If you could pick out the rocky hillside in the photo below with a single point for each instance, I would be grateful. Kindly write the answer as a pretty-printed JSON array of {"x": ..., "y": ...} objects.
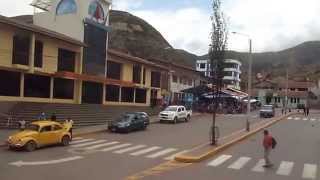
[{"x": 135, "y": 36}]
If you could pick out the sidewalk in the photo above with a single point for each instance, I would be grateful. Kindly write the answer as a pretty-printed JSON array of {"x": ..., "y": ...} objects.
[
  {"x": 206, "y": 150},
  {"x": 5, "y": 133}
]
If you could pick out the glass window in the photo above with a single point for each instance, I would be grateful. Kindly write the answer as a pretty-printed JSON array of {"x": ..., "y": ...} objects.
[
  {"x": 112, "y": 93},
  {"x": 202, "y": 65},
  {"x": 38, "y": 54},
  {"x": 66, "y": 7},
  {"x": 96, "y": 11},
  {"x": 141, "y": 96},
  {"x": 20, "y": 50},
  {"x": 174, "y": 78},
  {"x": 66, "y": 60},
  {"x": 114, "y": 70},
  {"x": 136, "y": 74},
  {"x": 57, "y": 127},
  {"x": 46, "y": 129}
]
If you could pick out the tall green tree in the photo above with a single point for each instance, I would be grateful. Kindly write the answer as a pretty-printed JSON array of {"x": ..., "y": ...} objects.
[{"x": 218, "y": 46}]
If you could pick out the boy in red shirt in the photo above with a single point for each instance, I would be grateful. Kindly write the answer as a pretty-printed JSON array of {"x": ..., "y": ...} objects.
[{"x": 267, "y": 145}]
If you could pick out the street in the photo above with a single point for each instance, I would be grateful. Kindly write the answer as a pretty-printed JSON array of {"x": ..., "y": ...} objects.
[
  {"x": 295, "y": 157},
  {"x": 115, "y": 156}
]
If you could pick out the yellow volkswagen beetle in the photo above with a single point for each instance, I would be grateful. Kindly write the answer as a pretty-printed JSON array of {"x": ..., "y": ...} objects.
[{"x": 39, "y": 134}]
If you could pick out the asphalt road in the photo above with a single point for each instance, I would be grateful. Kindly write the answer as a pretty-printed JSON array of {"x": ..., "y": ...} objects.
[
  {"x": 114, "y": 156},
  {"x": 296, "y": 156}
]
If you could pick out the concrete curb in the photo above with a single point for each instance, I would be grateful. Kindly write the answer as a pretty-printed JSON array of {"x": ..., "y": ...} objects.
[{"x": 194, "y": 159}]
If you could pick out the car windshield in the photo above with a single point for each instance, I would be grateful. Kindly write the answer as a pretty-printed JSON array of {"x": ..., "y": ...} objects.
[
  {"x": 126, "y": 117},
  {"x": 171, "y": 109},
  {"x": 33, "y": 127},
  {"x": 266, "y": 108}
]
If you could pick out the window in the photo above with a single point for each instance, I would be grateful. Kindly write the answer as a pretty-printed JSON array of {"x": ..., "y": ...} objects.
[
  {"x": 46, "y": 129},
  {"x": 38, "y": 54},
  {"x": 96, "y": 11},
  {"x": 112, "y": 93},
  {"x": 63, "y": 88},
  {"x": 114, "y": 70},
  {"x": 66, "y": 60},
  {"x": 174, "y": 79},
  {"x": 127, "y": 94},
  {"x": 155, "y": 79},
  {"x": 190, "y": 82},
  {"x": 202, "y": 65},
  {"x": 141, "y": 96},
  {"x": 298, "y": 101},
  {"x": 21, "y": 46},
  {"x": 36, "y": 86},
  {"x": 136, "y": 76},
  {"x": 10, "y": 83},
  {"x": 66, "y": 7},
  {"x": 144, "y": 76},
  {"x": 56, "y": 127}
]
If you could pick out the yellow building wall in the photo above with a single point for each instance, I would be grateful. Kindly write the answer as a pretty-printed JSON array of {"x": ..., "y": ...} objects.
[
  {"x": 50, "y": 56},
  {"x": 6, "y": 45},
  {"x": 127, "y": 70},
  {"x": 148, "y": 77}
]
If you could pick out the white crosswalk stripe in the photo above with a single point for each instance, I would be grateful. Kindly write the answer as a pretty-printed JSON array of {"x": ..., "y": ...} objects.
[
  {"x": 129, "y": 149},
  {"x": 88, "y": 143},
  {"x": 289, "y": 118},
  {"x": 174, "y": 155},
  {"x": 80, "y": 141},
  {"x": 101, "y": 145},
  {"x": 297, "y": 118},
  {"x": 309, "y": 171},
  {"x": 259, "y": 166},
  {"x": 145, "y": 151},
  {"x": 162, "y": 153},
  {"x": 285, "y": 168},
  {"x": 305, "y": 119},
  {"x": 312, "y": 119},
  {"x": 239, "y": 163},
  {"x": 220, "y": 160},
  {"x": 116, "y": 147},
  {"x": 77, "y": 138}
]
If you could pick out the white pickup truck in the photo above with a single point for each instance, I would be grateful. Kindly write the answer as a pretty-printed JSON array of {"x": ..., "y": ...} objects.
[{"x": 175, "y": 114}]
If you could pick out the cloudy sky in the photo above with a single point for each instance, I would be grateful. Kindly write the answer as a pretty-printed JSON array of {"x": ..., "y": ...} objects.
[{"x": 272, "y": 24}]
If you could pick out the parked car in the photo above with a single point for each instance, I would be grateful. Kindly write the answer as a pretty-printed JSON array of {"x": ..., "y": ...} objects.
[
  {"x": 175, "y": 114},
  {"x": 267, "y": 111},
  {"x": 129, "y": 122},
  {"x": 41, "y": 133}
]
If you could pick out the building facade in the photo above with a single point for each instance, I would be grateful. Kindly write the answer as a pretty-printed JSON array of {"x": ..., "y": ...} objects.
[
  {"x": 276, "y": 92},
  {"x": 45, "y": 60},
  {"x": 232, "y": 72}
]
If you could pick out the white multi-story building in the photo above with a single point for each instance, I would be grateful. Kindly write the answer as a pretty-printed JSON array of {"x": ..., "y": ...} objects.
[{"x": 232, "y": 71}]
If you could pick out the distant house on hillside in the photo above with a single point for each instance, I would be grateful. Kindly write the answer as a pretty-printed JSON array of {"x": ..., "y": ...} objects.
[{"x": 275, "y": 92}]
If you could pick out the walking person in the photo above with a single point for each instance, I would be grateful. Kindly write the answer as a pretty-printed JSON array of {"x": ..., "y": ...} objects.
[
  {"x": 69, "y": 120},
  {"x": 42, "y": 116},
  {"x": 307, "y": 111},
  {"x": 22, "y": 124},
  {"x": 267, "y": 145},
  {"x": 304, "y": 111}
]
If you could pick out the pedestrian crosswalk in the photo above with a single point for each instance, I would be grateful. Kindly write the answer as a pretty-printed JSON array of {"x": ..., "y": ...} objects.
[
  {"x": 115, "y": 147},
  {"x": 297, "y": 118},
  {"x": 283, "y": 168}
]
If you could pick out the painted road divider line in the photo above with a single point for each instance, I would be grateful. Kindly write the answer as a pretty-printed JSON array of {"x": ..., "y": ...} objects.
[
  {"x": 129, "y": 149},
  {"x": 174, "y": 155},
  {"x": 220, "y": 160},
  {"x": 80, "y": 141},
  {"x": 309, "y": 171},
  {"x": 162, "y": 153},
  {"x": 285, "y": 168},
  {"x": 145, "y": 151},
  {"x": 259, "y": 166},
  {"x": 239, "y": 163},
  {"x": 101, "y": 145},
  {"x": 115, "y": 147},
  {"x": 88, "y": 143}
]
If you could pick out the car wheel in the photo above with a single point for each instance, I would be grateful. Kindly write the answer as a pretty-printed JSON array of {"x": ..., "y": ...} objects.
[
  {"x": 30, "y": 146},
  {"x": 175, "y": 120},
  {"x": 65, "y": 140},
  {"x": 187, "y": 118}
]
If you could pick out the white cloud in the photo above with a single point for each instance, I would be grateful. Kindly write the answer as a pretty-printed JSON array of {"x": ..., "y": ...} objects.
[
  {"x": 126, "y": 5},
  {"x": 15, "y": 7},
  {"x": 185, "y": 28}
]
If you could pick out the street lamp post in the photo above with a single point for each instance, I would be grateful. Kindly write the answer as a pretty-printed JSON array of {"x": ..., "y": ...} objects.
[{"x": 249, "y": 80}]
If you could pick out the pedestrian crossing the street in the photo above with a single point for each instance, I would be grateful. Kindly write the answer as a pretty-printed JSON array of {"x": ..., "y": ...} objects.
[
  {"x": 311, "y": 119},
  {"x": 283, "y": 168},
  {"x": 115, "y": 147}
]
